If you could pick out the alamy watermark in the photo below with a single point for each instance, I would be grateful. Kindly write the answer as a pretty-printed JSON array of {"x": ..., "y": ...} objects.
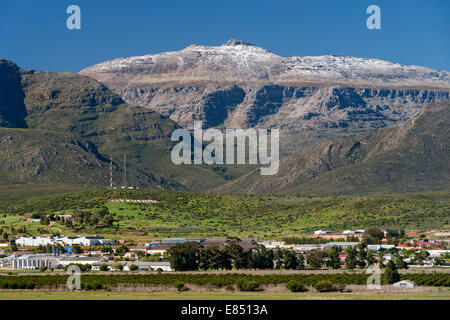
[
  {"x": 256, "y": 153},
  {"x": 374, "y": 20},
  {"x": 74, "y": 280},
  {"x": 374, "y": 280},
  {"x": 74, "y": 20}
]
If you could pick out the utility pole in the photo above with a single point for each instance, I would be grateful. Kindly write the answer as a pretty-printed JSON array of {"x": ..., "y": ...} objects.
[
  {"x": 110, "y": 174},
  {"x": 124, "y": 170}
]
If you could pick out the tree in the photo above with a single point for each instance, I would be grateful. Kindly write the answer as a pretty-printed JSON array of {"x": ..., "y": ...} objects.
[
  {"x": 370, "y": 258},
  {"x": 121, "y": 250},
  {"x": 391, "y": 274},
  {"x": 102, "y": 211},
  {"x": 185, "y": 256},
  {"x": 240, "y": 258},
  {"x": 104, "y": 267},
  {"x": 315, "y": 258},
  {"x": 262, "y": 259},
  {"x": 68, "y": 224},
  {"x": 224, "y": 260},
  {"x": 278, "y": 258},
  {"x": 290, "y": 260},
  {"x": 372, "y": 235},
  {"x": 362, "y": 255},
  {"x": 210, "y": 258},
  {"x": 46, "y": 221},
  {"x": 107, "y": 249},
  {"x": 301, "y": 262},
  {"x": 118, "y": 266},
  {"x": 108, "y": 220},
  {"x": 400, "y": 264},
  {"x": 351, "y": 259},
  {"x": 437, "y": 261},
  {"x": 334, "y": 260},
  {"x": 134, "y": 267}
]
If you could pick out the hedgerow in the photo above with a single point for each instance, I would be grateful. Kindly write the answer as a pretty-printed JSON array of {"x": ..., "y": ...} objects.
[{"x": 216, "y": 280}]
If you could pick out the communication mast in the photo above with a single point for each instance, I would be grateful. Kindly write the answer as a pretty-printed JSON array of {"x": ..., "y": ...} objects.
[
  {"x": 124, "y": 171},
  {"x": 110, "y": 174}
]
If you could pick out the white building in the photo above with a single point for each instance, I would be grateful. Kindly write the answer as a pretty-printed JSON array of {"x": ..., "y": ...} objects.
[
  {"x": 34, "y": 261},
  {"x": 305, "y": 247},
  {"x": 65, "y": 241},
  {"x": 380, "y": 246},
  {"x": 321, "y": 232},
  {"x": 342, "y": 245},
  {"x": 405, "y": 284},
  {"x": 145, "y": 265},
  {"x": 92, "y": 241},
  {"x": 437, "y": 253},
  {"x": 353, "y": 232},
  {"x": 34, "y": 241},
  {"x": 67, "y": 260}
]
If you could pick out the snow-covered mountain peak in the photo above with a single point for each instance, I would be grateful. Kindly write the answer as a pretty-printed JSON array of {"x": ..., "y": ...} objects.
[
  {"x": 242, "y": 62},
  {"x": 236, "y": 42}
]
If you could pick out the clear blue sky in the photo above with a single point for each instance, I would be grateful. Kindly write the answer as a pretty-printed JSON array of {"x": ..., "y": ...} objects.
[{"x": 34, "y": 33}]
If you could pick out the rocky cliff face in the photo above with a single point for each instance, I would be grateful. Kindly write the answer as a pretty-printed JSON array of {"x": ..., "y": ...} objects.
[
  {"x": 306, "y": 115},
  {"x": 240, "y": 85},
  {"x": 412, "y": 157}
]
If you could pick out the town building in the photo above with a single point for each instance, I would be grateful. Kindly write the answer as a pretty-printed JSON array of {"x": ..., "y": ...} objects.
[
  {"x": 377, "y": 247},
  {"x": 85, "y": 241},
  {"x": 342, "y": 245},
  {"x": 174, "y": 241},
  {"x": 147, "y": 265},
  {"x": 34, "y": 261},
  {"x": 405, "y": 284}
]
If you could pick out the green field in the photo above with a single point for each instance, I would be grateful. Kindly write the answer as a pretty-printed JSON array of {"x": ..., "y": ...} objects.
[
  {"x": 191, "y": 295},
  {"x": 201, "y": 214}
]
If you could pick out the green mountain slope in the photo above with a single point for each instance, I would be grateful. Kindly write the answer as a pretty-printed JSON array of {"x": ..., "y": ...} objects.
[
  {"x": 408, "y": 158},
  {"x": 71, "y": 126}
]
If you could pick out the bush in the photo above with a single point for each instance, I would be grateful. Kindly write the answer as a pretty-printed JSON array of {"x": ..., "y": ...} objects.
[
  {"x": 229, "y": 287},
  {"x": 296, "y": 286},
  {"x": 324, "y": 286},
  {"x": 104, "y": 267},
  {"x": 134, "y": 267},
  {"x": 179, "y": 285},
  {"x": 92, "y": 286},
  {"x": 43, "y": 268},
  {"x": 97, "y": 286},
  {"x": 118, "y": 266},
  {"x": 247, "y": 285}
]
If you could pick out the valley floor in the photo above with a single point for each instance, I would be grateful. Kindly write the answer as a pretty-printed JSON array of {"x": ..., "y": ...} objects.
[{"x": 193, "y": 295}]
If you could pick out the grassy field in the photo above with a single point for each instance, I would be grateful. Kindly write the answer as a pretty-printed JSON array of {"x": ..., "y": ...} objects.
[
  {"x": 200, "y": 214},
  {"x": 191, "y": 295}
]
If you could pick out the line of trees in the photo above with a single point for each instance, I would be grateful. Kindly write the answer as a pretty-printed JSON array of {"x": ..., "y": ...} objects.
[{"x": 193, "y": 256}]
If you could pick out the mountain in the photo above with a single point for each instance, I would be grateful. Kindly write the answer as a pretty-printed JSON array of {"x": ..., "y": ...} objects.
[
  {"x": 240, "y": 62},
  {"x": 12, "y": 108},
  {"x": 64, "y": 127},
  {"x": 412, "y": 157},
  {"x": 240, "y": 85}
]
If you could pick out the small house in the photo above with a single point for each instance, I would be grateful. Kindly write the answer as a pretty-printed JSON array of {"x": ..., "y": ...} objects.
[{"x": 405, "y": 284}]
